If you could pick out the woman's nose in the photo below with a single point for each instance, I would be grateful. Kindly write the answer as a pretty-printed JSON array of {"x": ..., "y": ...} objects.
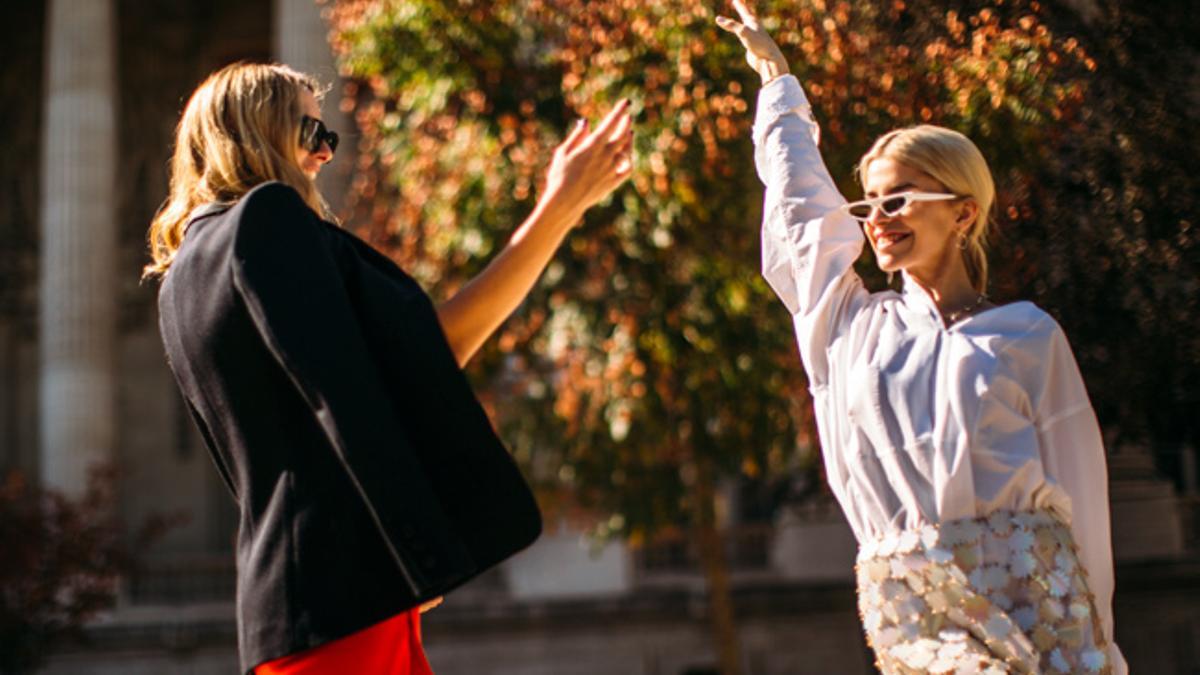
[
  {"x": 323, "y": 153},
  {"x": 877, "y": 217}
]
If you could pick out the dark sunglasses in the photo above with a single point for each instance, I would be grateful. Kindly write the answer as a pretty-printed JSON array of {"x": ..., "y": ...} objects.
[{"x": 313, "y": 133}]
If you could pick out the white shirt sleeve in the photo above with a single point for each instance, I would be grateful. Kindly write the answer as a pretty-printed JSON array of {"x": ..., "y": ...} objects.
[
  {"x": 1073, "y": 455},
  {"x": 809, "y": 244}
]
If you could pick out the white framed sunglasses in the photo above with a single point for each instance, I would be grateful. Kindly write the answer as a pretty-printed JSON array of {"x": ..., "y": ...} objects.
[{"x": 892, "y": 205}]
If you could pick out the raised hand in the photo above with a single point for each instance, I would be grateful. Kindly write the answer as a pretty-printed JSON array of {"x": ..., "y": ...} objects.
[
  {"x": 762, "y": 53},
  {"x": 588, "y": 166}
]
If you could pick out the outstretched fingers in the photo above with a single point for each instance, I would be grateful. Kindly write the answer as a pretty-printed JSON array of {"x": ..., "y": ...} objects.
[
  {"x": 621, "y": 133},
  {"x": 624, "y": 161},
  {"x": 574, "y": 138},
  {"x": 619, "y": 115},
  {"x": 730, "y": 25},
  {"x": 746, "y": 15}
]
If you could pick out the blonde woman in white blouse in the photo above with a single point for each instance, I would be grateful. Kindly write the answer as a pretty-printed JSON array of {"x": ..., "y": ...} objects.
[{"x": 957, "y": 434}]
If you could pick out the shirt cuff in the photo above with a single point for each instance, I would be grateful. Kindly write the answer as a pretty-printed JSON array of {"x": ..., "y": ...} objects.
[{"x": 780, "y": 97}]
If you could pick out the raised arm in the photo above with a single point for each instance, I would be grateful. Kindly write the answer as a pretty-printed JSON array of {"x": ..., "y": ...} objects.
[
  {"x": 809, "y": 244},
  {"x": 585, "y": 168}
]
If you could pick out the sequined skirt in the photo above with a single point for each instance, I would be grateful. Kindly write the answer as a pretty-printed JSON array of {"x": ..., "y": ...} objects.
[{"x": 999, "y": 594}]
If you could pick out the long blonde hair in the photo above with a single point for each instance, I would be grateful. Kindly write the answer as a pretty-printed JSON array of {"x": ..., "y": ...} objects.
[
  {"x": 953, "y": 160},
  {"x": 240, "y": 128}
]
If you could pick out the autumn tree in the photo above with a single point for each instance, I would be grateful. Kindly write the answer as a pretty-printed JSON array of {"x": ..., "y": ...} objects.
[
  {"x": 63, "y": 559},
  {"x": 652, "y": 361}
]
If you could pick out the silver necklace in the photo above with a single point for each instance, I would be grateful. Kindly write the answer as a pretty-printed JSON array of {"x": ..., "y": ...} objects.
[{"x": 953, "y": 317}]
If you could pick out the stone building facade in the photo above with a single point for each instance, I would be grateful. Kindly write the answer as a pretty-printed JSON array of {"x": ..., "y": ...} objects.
[{"x": 92, "y": 91}]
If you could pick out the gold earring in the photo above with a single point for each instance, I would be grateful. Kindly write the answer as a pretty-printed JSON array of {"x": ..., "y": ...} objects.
[{"x": 962, "y": 241}]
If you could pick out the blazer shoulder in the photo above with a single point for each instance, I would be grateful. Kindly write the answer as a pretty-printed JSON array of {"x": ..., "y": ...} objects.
[
  {"x": 271, "y": 202},
  {"x": 273, "y": 215}
]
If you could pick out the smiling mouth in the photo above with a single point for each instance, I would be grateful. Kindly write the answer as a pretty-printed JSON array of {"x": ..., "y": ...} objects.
[{"x": 889, "y": 239}]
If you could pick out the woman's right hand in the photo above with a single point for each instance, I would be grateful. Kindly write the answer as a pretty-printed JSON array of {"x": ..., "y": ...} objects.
[
  {"x": 763, "y": 55},
  {"x": 588, "y": 166}
]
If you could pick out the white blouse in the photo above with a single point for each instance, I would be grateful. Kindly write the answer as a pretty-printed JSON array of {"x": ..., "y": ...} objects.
[{"x": 923, "y": 423}]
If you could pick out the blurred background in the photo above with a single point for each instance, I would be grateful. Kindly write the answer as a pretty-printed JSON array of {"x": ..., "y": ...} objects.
[{"x": 650, "y": 387}]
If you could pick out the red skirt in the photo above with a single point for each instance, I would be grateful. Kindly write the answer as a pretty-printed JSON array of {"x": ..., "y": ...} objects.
[{"x": 390, "y": 647}]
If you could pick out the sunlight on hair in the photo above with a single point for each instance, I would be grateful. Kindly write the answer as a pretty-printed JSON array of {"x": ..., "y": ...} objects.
[
  {"x": 240, "y": 129},
  {"x": 954, "y": 161}
]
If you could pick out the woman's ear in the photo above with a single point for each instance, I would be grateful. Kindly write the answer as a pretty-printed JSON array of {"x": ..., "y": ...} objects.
[{"x": 967, "y": 212}]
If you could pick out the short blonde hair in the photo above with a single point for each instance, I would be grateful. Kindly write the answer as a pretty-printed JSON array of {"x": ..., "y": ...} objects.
[
  {"x": 240, "y": 128},
  {"x": 954, "y": 161}
]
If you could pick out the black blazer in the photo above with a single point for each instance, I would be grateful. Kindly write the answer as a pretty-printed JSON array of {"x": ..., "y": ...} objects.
[{"x": 368, "y": 477}]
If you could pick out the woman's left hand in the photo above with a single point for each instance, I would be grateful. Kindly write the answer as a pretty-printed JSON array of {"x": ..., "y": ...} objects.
[
  {"x": 585, "y": 168},
  {"x": 426, "y": 606},
  {"x": 588, "y": 166}
]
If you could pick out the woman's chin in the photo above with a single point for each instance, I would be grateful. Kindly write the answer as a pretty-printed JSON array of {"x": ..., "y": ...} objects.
[{"x": 886, "y": 263}]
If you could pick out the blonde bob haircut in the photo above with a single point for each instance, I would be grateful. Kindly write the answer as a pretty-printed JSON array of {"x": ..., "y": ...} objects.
[
  {"x": 240, "y": 128},
  {"x": 953, "y": 160}
]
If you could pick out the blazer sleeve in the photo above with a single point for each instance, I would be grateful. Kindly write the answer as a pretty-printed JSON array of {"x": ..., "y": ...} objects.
[{"x": 285, "y": 271}]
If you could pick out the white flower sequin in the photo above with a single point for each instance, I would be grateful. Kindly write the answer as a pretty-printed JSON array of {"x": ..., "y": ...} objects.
[
  {"x": 919, "y": 654},
  {"x": 995, "y": 548},
  {"x": 1000, "y": 522},
  {"x": 976, "y": 577},
  {"x": 942, "y": 666},
  {"x": 915, "y": 563},
  {"x": 872, "y": 620},
  {"x": 1021, "y": 540},
  {"x": 1027, "y": 519},
  {"x": 940, "y": 555},
  {"x": 999, "y": 626},
  {"x": 910, "y": 607},
  {"x": 887, "y": 637},
  {"x": 953, "y": 635},
  {"x": 929, "y": 536},
  {"x": 995, "y": 576},
  {"x": 1025, "y": 617},
  {"x": 961, "y": 532},
  {"x": 1094, "y": 660},
  {"x": 1023, "y": 564},
  {"x": 868, "y": 550},
  {"x": 1058, "y": 584},
  {"x": 989, "y": 577},
  {"x": 1002, "y": 601},
  {"x": 887, "y": 546},
  {"x": 1059, "y": 662},
  {"x": 1052, "y": 610}
]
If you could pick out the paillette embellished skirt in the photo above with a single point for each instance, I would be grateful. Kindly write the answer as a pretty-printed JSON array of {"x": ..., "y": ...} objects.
[{"x": 1000, "y": 594}]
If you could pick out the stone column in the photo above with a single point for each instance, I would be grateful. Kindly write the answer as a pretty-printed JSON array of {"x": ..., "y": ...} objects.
[
  {"x": 301, "y": 41},
  {"x": 78, "y": 244}
]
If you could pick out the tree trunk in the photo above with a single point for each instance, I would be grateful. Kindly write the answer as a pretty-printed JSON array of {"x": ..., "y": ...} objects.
[{"x": 716, "y": 572}]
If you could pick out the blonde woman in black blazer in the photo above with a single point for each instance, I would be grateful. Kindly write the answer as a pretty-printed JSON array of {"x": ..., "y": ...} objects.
[{"x": 326, "y": 384}]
